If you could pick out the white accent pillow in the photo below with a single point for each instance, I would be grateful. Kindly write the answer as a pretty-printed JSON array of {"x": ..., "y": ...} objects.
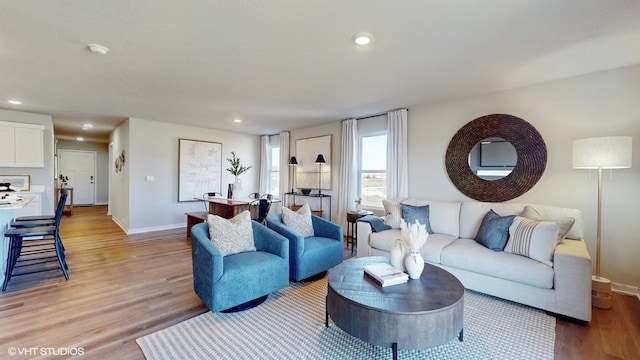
[
  {"x": 299, "y": 221},
  {"x": 231, "y": 236},
  {"x": 392, "y": 213},
  {"x": 534, "y": 239}
]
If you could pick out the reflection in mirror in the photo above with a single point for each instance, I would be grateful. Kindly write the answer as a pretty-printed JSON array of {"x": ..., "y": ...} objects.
[{"x": 493, "y": 158}]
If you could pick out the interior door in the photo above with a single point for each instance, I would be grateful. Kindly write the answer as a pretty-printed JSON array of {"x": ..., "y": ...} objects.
[{"x": 80, "y": 167}]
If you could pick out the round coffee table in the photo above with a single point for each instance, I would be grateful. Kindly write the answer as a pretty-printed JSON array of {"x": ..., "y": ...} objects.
[{"x": 418, "y": 314}]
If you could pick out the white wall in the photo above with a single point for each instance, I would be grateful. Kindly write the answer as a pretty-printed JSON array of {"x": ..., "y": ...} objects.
[
  {"x": 102, "y": 165},
  {"x": 38, "y": 176},
  {"x": 593, "y": 105},
  {"x": 119, "y": 203},
  {"x": 153, "y": 150}
]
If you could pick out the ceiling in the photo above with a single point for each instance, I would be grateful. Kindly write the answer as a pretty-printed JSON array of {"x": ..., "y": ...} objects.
[{"x": 287, "y": 64}]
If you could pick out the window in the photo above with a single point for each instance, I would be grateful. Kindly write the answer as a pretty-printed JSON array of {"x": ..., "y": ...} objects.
[
  {"x": 372, "y": 171},
  {"x": 274, "y": 172}
]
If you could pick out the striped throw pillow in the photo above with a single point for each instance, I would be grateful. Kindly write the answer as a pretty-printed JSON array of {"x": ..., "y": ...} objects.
[{"x": 534, "y": 239}]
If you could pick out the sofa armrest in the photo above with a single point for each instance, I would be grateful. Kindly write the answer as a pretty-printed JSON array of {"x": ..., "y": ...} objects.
[
  {"x": 326, "y": 229},
  {"x": 572, "y": 267},
  {"x": 270, "y": 241},
  {"x": 296, "y": 241},
  {"x": 363, "y": 230},
  {"x": 206, "y": 260}
]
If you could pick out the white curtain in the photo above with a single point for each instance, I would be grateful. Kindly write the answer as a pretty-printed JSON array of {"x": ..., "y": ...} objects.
[
  {"x": 265, "y": 165},
  {"x": 347, "y": 187},
  {"x": 284, "y": 165},
  {"x": 397, "y": 166}
]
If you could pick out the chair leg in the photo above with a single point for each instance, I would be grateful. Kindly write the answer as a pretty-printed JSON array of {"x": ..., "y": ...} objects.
[
  {"x": 11, "y": 262},
  {"x": 61, "y": 260}
]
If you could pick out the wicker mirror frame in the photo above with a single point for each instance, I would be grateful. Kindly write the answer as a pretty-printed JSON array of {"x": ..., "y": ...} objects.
[{"x": 530, "y": 148}]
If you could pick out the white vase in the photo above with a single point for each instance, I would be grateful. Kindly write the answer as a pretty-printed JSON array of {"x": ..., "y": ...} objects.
[
  {"x": 414, "y": 264},
  {"x": 237, "y": 188},
  {"x": 396, "y": 255},
  {"x": 358, "y": 207}
]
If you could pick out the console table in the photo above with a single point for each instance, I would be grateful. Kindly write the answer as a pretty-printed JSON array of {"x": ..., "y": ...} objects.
[
  {"x": 290, "y": 202},
  {"x": 68, "y": 206}
]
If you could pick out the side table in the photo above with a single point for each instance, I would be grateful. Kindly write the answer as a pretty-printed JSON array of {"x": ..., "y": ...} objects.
[{"x": 352, "y": 229}]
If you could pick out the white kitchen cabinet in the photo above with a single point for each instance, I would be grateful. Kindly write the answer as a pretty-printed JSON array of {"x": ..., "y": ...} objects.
[{"x": 21, "y": 145}]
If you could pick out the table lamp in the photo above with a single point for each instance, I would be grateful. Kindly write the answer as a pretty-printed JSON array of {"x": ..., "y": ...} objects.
[
  {"x": 320, "y": 160},
  {"x": 293, "y": 162}
]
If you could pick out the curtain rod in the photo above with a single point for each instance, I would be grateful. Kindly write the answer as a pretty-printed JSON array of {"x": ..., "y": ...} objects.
[{"x": 378, "y": 114}]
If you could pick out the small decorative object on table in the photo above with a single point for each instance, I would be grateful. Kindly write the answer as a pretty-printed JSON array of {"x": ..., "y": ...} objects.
[
  {"x": 236, "y": 169},
  {"x": 414, "y": 237},
  {"x": 359, "y": 204},
  {"x": 397, "y": 255},
  {"x": 385, "y": 274},
  {"x": 305, "y": 191}
]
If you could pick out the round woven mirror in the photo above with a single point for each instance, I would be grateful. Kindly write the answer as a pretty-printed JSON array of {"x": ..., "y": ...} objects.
[{"x": 531, "y": 157}]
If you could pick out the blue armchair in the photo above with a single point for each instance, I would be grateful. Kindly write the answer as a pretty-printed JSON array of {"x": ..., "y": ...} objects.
[
  {"x": 238, "y": 281},
  {"x": 313, "y": 255}
]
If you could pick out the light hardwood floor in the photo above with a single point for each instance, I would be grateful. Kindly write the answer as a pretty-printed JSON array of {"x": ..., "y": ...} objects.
[{"x": 124, "y": 287}]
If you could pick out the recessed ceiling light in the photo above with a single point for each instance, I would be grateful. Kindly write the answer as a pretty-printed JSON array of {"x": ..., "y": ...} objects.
[
  {"x": 362, "y": 39},
  {"x": 86, "y": 126},
  {"x": 80, "y": 138},
  {"x": 14, "y": 102},
  {"x": 98, "y": 49},
  {"x": 237, "y": 120}
]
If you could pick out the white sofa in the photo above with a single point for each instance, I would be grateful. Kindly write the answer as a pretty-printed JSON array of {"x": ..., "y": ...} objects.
[{"x": 563, "y": 288}]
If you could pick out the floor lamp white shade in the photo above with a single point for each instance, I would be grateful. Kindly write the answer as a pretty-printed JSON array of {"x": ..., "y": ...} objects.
[{"x": 610, "y": 152}]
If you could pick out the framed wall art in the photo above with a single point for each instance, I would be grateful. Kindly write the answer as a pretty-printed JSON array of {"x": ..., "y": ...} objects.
[
  {"x": 199, "y": 168},
  {"x": 15, "y": 182},
  {"x": 308, "y": 174}
]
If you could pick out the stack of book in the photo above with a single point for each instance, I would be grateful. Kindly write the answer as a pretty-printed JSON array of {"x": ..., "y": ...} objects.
[{"x": 385, "y": 274}]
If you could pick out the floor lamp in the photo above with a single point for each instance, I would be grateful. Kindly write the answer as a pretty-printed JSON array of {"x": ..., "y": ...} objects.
[
  {"x": 293, "y": 162},
  {"x": 320, "y": 160},
  {"x": 611, "y": 152}
]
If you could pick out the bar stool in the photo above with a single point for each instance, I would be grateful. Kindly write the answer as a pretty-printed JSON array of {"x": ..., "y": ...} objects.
[
  {"x": 26, "y": 248},
  {"x": 44, "y": 220}
]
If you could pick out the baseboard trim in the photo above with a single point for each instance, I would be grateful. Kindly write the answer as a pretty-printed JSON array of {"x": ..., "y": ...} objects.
[{"x": 626, "y": 289}]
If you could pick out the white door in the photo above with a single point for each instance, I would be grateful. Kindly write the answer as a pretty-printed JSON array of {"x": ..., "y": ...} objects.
[{"x": 80, "y": 167}]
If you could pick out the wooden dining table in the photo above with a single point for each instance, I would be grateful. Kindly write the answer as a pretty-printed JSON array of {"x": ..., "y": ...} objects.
[{"x": 226, "y": 208}]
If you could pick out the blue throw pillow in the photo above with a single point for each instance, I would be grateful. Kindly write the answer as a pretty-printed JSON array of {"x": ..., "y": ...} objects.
[
  {"x": 494, "y": 231},
  {"x": 421, "y": 213}
]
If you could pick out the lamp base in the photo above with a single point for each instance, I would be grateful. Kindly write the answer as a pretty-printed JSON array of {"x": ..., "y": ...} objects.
[{"x": 600, "y": 292}]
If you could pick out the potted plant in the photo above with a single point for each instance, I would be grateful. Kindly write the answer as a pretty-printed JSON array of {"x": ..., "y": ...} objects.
[
  {"x": 236, "y": 169},
  {"x": 64, "y": 180}
]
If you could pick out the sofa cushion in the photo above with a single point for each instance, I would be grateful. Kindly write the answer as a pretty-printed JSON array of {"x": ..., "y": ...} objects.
[
  {"x": 558, "y": 214},
  {"x": 444, "y": 216},
  {"x": 231, "y": 236},
  {"x": 472, "y": 213},
  {"x": 299, "y": 221},
  {"x": 412, "y": 213},
  {"x": 432, "y": 249},
  {"x": 392, "y": 213},
  {"x": 467, "y": 254},
  {"x": 534, "y": 239},
  {"x": 565, "y": 223},
  {"x": 494, "y": 231},
  {"x": 384, "y": 240}
]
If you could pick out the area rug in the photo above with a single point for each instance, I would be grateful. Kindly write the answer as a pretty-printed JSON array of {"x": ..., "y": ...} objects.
[{"x": 290, "y": 325}]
